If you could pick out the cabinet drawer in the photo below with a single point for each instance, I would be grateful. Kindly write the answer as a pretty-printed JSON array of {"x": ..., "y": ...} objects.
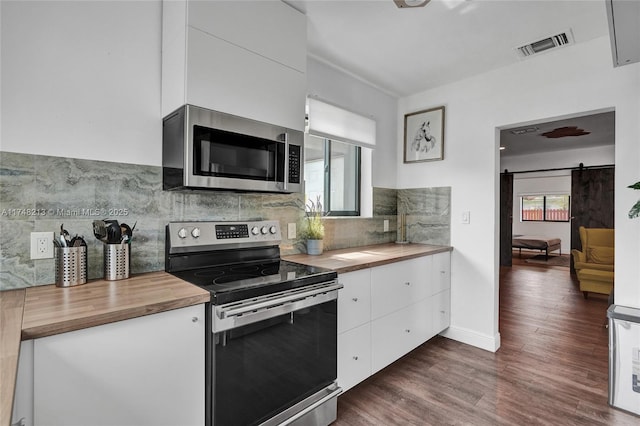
[
  {"x": 440, "y": 272},
  {"x": 441, "y": 311},
  {"x": 398, "y": 285},
  {"x": 354, "y": 300},
  {"x": 354, "y": 356},
  {"x": 396, "y": 334}
]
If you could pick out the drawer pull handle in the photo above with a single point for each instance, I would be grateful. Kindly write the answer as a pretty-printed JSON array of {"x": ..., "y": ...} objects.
[
  {"x": 355, "y": 358},
  {"x": 407, "y": 283},
  {"x": 194, "y": 319},
  {"x": 355, "y": 299},
  {"x": 443, "y": 272},
  {"x": 408, "y": 331}
]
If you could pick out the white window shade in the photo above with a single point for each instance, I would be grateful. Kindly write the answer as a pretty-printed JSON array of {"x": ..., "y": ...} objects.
[{"x": 331, "y": 122}]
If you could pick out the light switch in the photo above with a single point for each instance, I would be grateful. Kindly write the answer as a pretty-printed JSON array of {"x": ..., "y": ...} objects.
[
  {"x": 466, "y": 217},
  {"x": 386, "y": 225}
]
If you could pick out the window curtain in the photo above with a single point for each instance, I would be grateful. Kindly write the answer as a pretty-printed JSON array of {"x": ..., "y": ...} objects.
[{"x": 335, "y": 123}]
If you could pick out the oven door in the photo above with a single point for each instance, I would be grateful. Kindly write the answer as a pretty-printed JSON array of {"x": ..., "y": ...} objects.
[{"x": 273, "y": 354}]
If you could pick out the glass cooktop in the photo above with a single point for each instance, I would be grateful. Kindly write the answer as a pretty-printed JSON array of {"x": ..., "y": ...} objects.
[{"x": 230, "y": 283}]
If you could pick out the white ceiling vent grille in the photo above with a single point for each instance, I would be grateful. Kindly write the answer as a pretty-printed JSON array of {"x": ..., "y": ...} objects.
[{"x": 563, "y": 39}]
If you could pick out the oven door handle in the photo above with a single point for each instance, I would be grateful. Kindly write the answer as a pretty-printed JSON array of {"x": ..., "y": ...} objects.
[{"x": 230, "y": 317}]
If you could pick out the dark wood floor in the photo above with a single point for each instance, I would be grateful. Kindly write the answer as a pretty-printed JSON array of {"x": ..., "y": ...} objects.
[{"x": 551, "y": 368}]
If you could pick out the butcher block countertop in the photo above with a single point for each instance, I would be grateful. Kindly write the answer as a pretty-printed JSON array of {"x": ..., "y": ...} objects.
[
  {"x": 354, "y": 258},
  {"x": 47, "y": 310},
  {"x": 50, "y": 310}
]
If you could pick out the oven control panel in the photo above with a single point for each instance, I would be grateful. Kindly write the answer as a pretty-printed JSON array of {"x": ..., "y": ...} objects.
[{"x": 213, "y": 234}]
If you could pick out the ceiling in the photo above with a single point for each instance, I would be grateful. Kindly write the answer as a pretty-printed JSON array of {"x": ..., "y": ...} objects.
[
  {"x": 406, "y": 51},
  {"x": 592, "y": 130}
]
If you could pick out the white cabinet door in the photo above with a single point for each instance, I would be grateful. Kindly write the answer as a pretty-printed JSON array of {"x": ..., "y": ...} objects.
[
  {"x": 440, "y": 272},
  {"x": 396, "y": 334},
  {"x": 354, "y": 299},
  {"x": 269, "y": 29},
  {"x": 441, "y": 311},
  {"x": 239, "y": 82},
  {"x": 398, "y": 285},
  {"x": 143, "y": 371},
  {"x": 354, "y": 356},
  {"x": 215, "y": 55}
]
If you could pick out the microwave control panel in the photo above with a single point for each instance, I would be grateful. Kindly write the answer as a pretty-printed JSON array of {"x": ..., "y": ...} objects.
[{"x": 294, "y": 163}]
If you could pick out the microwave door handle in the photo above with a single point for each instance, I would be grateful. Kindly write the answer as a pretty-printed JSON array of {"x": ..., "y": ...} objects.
[{"x": 285, "y": 178}]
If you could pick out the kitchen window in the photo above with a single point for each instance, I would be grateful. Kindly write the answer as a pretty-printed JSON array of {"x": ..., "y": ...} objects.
[
  {"x": 337, "y": 158},
  {"x": 544, "y": 208},
  {"x": 332, "y": 175}
]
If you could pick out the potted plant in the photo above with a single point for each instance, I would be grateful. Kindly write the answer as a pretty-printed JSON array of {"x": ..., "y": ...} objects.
[
  {"x": 635, "y": 210},
  {"x": 313, "y": 229}
]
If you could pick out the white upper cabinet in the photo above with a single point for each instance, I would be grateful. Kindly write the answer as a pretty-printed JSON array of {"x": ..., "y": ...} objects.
[
  {"x": 270, "y": 29},
  {"x": 241, "y": 58}
]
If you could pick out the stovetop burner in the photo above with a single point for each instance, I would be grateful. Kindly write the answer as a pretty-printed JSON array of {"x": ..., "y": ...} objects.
[{"x": 235, "y": 261}]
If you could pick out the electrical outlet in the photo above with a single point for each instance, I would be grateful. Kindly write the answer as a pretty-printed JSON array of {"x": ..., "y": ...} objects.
[
  {"x": 41, "y": 245},
  {"x": 291, "y": 231},
  {"x": 385, "y": 225}
]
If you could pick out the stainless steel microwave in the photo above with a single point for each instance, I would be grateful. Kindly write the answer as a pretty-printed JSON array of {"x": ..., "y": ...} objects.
[{"x": 205, "y": 149}]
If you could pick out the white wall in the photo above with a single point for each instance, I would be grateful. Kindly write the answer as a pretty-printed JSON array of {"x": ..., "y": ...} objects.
[
  {"x": 576, "y": 79},
  {"x": 544, "y": 185},
  {"x": 331, "y": 85},
  {"x": 82, "y": 80}
]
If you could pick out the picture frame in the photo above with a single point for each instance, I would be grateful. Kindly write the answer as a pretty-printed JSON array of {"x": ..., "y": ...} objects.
[{"x": 424, "y": 135}]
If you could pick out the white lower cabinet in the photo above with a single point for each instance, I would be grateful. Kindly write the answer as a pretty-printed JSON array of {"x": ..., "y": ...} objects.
[
  {"x": 354, "y": 356},
  {"x": 441, "y": 311},
  {"x": 396, "y": 334},
  {"x": 142, "y": 371},
  {"x": 385, "y": 312}
]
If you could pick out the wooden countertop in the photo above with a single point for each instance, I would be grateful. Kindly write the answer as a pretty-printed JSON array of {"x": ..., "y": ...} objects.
[
  {"x": 47, "y": 310},
  {"x": 50, "y": 310},
  {"x": 354, "y": 258}
]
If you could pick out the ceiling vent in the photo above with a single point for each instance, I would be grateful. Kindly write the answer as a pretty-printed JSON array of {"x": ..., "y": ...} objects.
[{"x": 563, "y": 39}]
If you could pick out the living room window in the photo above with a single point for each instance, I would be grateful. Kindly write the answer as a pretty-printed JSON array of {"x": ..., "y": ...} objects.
[{"x": 544, "y": 208}]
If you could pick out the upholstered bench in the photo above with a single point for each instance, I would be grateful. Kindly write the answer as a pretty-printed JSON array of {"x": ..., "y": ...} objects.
[{"x": 595, "y": 281}]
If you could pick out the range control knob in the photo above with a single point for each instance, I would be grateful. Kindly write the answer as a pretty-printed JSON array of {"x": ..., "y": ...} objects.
[
  {"x": 273, "y": 229},
  {"x": 255, "y": 230},
  {"x": 182, "y": 233},
  {"x": 195, "y": 232},
  {"x": 264, "y": 230}
]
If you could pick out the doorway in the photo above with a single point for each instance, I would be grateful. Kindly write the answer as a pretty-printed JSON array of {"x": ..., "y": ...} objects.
[{"x": 569, "y": 158}]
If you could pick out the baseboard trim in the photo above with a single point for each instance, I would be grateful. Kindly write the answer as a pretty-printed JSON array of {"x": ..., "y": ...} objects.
[{"x": 473, "y": 338}]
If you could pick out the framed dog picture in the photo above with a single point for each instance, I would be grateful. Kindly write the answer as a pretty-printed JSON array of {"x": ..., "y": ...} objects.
[{"x": 424, "y": 135}]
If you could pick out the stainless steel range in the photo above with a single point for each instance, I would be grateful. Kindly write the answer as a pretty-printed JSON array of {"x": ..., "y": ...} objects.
[{"x": 271, "y": 327}]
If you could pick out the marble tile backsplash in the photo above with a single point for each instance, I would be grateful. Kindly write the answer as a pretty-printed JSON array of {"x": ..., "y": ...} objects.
[
  {"x": 39, "y": 193},
  {"x": 428, "y": 214}
]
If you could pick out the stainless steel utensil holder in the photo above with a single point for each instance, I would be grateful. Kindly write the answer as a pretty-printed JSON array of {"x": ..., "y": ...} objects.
[
  {"x": 71, "y": 266},
  {"x": 116, "y": 261}
]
